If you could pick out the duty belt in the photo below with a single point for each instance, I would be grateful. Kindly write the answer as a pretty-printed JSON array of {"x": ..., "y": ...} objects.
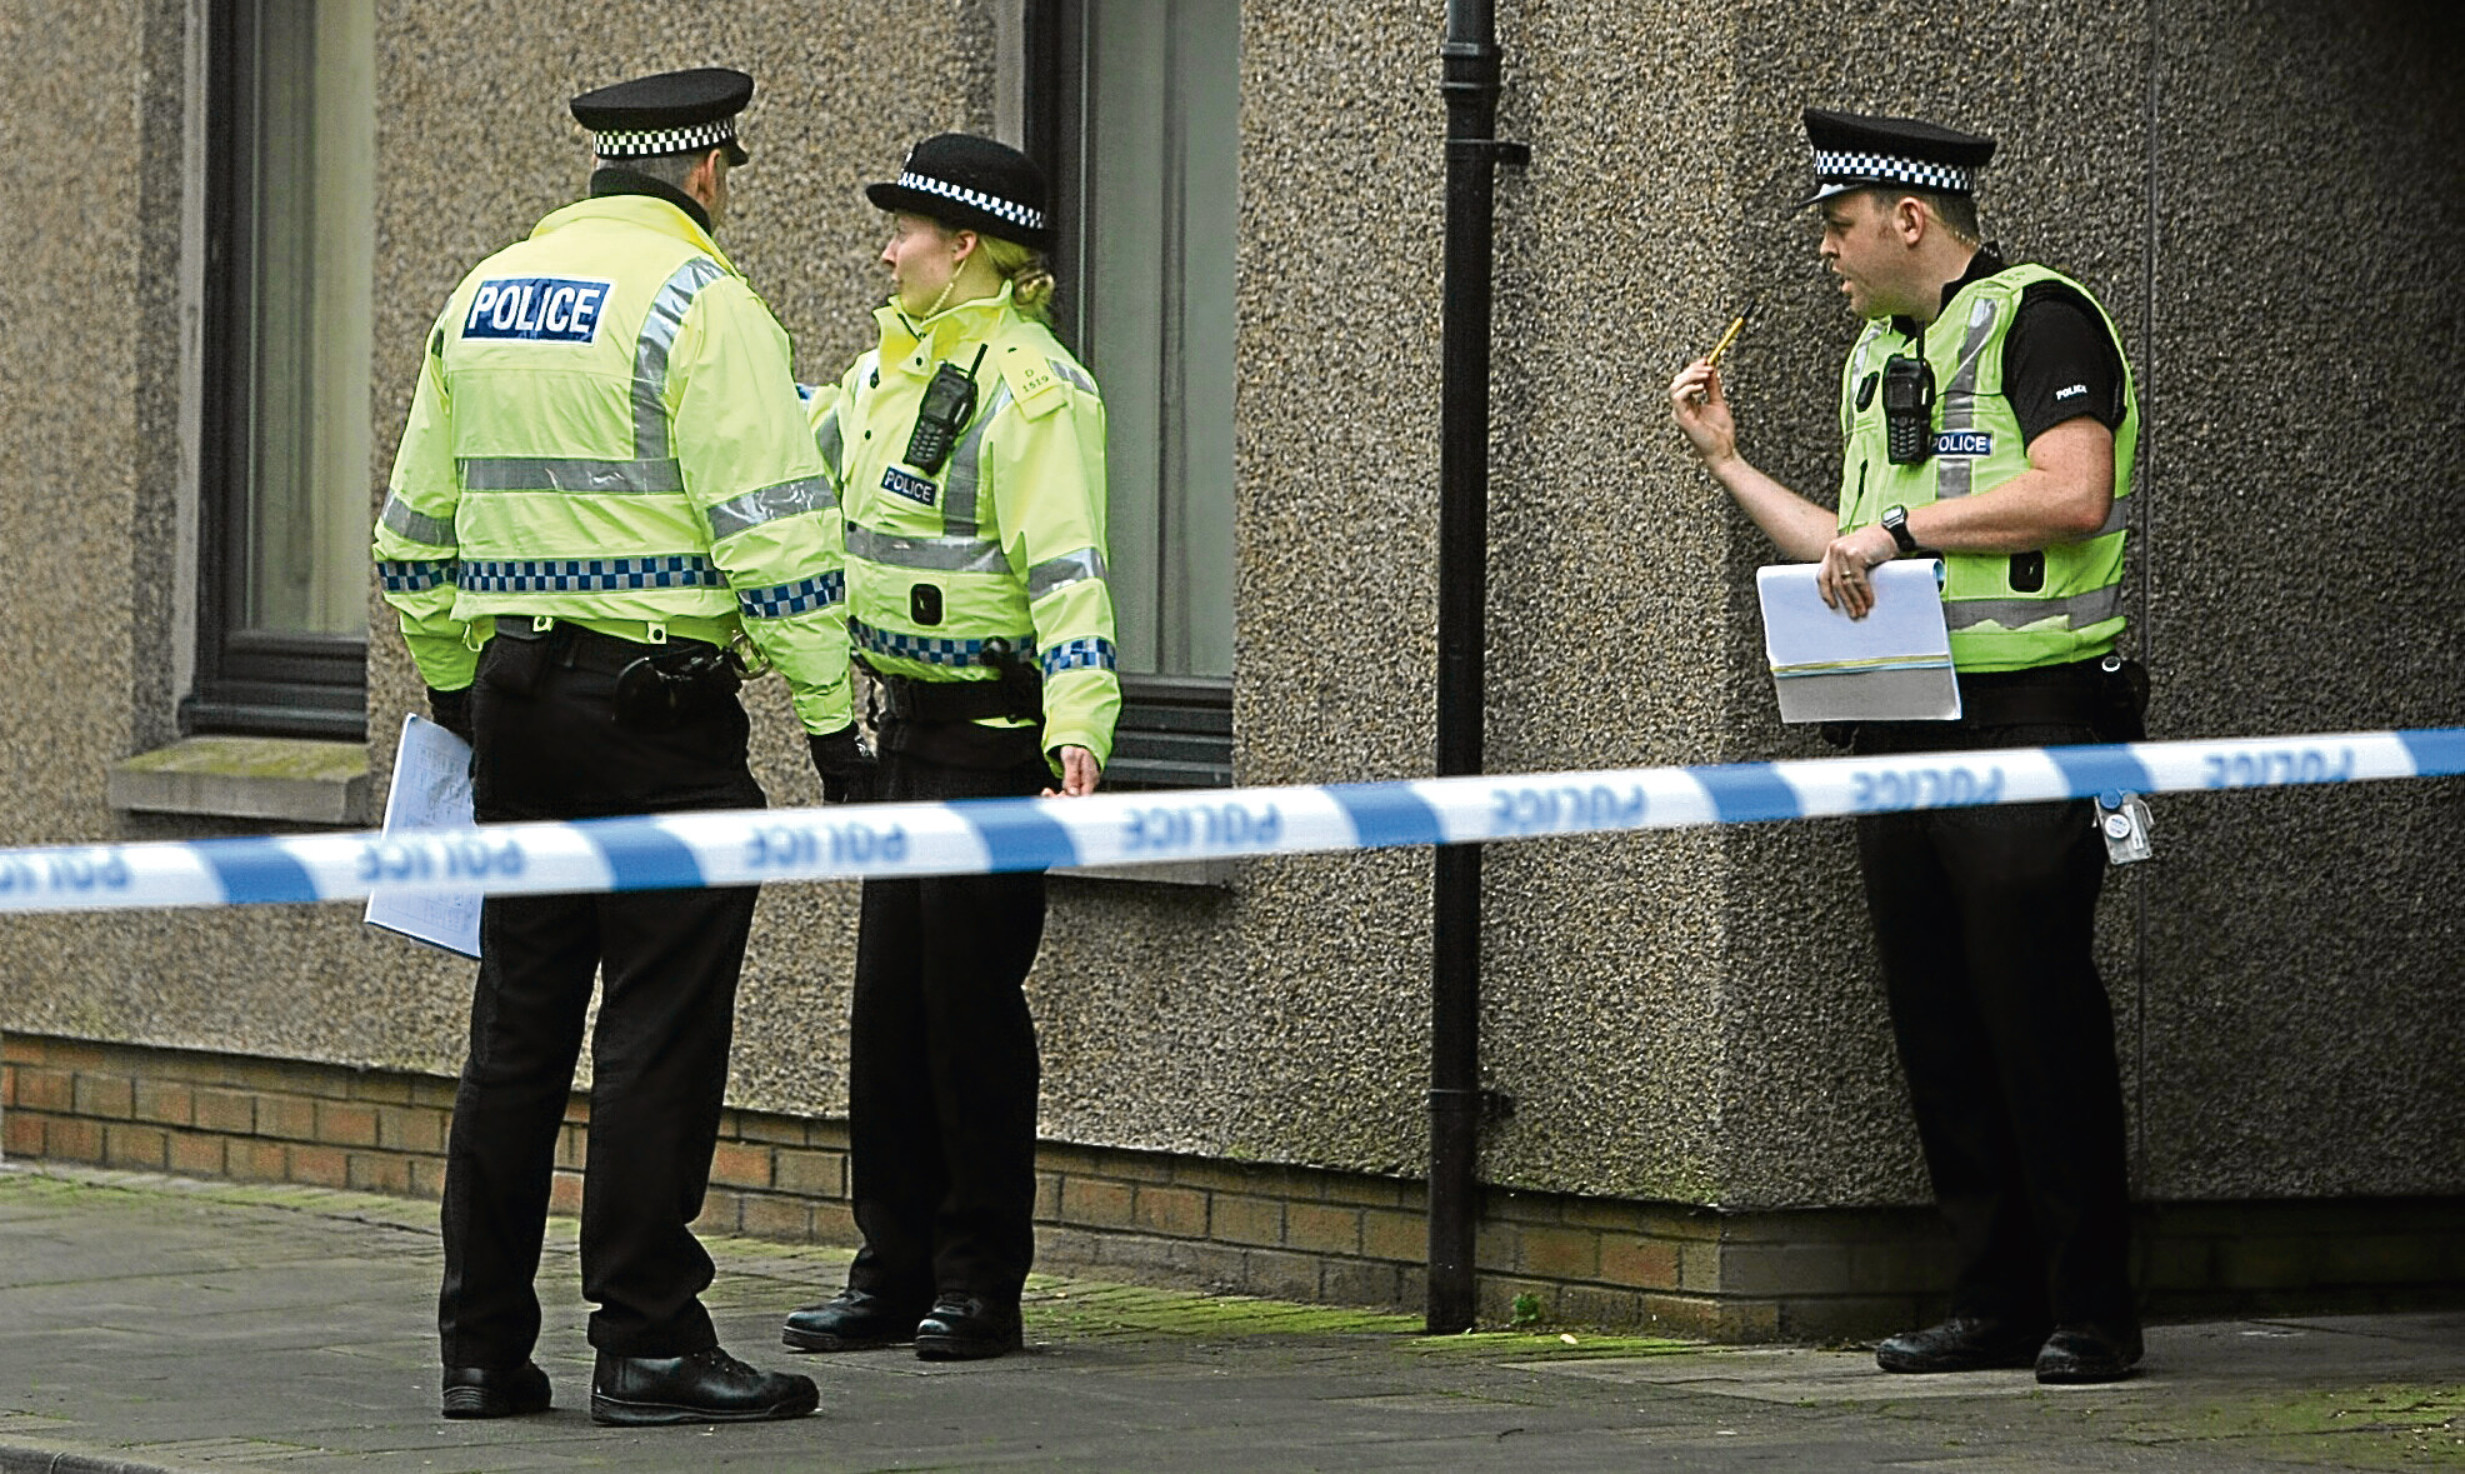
[
  {"x": 2112, "y": 701},
  {"x": 906, "y": 699},
  {"x": 2074, "y": 694},
  {"x": 588, "y": 649}
]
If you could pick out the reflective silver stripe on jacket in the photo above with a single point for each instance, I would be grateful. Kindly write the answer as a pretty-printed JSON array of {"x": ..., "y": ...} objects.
[
  {"x": 958, "y": 498},
  {"x": 830, "y": 440},
  {"x": 2077, "y": 612},
  {"x": 1071, "y": 376},
  {"x": 1954, "y": 473},
  {"x": 937, "y": 554},
  {"x": 419, "y": 527},
  {"x": 572, "y": 473},
  {"x": 787, "y": 499},
  {"x": 1063, "y": 571},
  {"x": 650, "y": 356}
]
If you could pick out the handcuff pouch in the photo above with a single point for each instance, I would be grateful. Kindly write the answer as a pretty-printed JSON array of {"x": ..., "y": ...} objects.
[{"x": 663, "y": 691}]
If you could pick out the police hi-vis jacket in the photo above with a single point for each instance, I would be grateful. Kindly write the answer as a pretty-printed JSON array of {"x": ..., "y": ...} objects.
[
  {"x": 2005, "y": 611},
  {"x": 1006, "y": 540},
  {"x": 607, "y": 431}
]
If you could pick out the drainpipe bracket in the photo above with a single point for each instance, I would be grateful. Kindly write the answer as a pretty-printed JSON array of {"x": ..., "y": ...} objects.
[
  {"x": 1496, "y": 150},
  {"x": 1486, "y": 1106}
]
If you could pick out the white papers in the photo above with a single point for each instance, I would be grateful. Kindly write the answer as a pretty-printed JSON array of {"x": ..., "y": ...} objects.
[
  {"x": 1893, "y": 665},
  {"x": 431, "y": 790}
]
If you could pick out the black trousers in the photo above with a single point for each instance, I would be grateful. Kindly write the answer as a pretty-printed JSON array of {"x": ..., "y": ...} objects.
[
  {"x": 1985, "y": 918},
  {"x": 548, "y": 747},
  {"x": 943, "y": 1066}
]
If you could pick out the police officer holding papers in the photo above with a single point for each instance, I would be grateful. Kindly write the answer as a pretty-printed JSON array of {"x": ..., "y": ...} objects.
[
  {"x": 1989, "y": 420},
  {"x": 606, "y": 511},
  {"x": 968, "y": 449}
]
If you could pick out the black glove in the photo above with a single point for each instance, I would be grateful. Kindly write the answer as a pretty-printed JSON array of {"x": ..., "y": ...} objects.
[
  {"x": 451, "y": 710},
  {"x": 845, "y": 764}
]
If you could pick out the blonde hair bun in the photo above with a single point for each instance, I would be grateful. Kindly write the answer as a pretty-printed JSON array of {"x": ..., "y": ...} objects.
[{"x": 1030, "y": 275}]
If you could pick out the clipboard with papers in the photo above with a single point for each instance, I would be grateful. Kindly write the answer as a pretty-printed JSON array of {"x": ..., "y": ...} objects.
[
  {"x": 431, "y": 790},
  {"x": 1893, "y": 665}
]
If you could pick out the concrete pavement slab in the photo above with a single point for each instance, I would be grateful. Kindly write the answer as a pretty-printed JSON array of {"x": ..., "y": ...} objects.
[{"x": 151, "y": 1323}]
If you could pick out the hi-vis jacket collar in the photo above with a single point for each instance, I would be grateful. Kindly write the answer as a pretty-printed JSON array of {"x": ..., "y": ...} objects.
[
  {"x": 642, "y": 210},
  {"x": 964, "y": 322}
]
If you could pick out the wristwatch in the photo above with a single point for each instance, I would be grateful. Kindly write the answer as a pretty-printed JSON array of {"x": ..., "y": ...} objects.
[{"x": 1896, "y": 522}]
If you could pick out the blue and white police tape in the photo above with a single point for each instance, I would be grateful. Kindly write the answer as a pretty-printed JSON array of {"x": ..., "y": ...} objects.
[{"x": 747, "y": 847}]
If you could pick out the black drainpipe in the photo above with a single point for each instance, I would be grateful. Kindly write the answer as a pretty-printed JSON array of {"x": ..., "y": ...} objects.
[{"x": 1471, "y": 88}]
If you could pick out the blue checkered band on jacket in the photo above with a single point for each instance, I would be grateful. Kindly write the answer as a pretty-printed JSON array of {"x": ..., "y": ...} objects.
[
  {"x": 992, "y": 203},
  {"x": 585, "y": 575},
  {"x": 1842, "y": 168},
  {"x": 793, "y": 598},
  {"x": 1088, "y": 652},
  {"x": 414, "y": 578},
  {"x": 649, "y": 143},
  {"x": 931, "y": 649}
]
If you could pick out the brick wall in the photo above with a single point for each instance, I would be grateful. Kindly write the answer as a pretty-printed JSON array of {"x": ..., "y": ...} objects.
[
  {"x": 1283, "y": 1232},
  {"x": 209, "y": 1115}
]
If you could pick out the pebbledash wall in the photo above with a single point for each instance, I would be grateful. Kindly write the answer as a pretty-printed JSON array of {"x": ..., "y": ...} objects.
[{"x": 1708, "y": 1130}]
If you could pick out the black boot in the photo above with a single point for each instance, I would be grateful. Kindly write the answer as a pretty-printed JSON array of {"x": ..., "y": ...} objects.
[
  {"x": 708, "y": 1386},
  {"x": 2087, "y": 1353},
  {"x": 853, "y": 1320},
  {"x": 495, "y": 1392},
  {"x": 968, "y": 1328},
  {"x": 1964, "y": 1343}
]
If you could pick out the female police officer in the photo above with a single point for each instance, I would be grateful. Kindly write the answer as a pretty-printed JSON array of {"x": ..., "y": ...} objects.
[{"x": 968, "y": 449}]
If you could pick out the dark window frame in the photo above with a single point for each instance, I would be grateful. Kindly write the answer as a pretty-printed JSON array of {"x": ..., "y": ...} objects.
[
  {"x": 1175, "y": 731},
  {"x": 247, "y": 681}
]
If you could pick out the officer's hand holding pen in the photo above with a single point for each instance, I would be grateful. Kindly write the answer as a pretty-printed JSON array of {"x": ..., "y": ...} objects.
[{"x": 1702, "y": 413}]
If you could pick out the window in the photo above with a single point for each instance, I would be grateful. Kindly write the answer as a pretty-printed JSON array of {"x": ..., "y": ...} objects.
[
  {"x": 284, "y": 457},
  {"x": 1133, "y": 109}
]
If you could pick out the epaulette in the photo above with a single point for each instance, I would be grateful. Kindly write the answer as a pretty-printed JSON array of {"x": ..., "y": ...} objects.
[{"x": 1036, "y": 385}]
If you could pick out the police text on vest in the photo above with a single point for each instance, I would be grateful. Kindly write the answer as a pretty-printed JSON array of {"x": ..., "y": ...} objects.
[{"x": 540, "y": 309}]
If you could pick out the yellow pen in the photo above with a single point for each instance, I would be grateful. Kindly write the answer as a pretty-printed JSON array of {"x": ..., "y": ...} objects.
[{"x": 1736, "y": 326}]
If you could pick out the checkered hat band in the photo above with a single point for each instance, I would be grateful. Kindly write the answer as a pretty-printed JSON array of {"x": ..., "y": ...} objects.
[
  {"x": 991, "y": 204},
  {"x": 1892, "y": 169},
  {"x": 624, "y": 143}
]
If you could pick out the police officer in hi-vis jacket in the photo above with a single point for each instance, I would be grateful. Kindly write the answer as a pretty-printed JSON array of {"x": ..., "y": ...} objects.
[
  {"x": 607, "y": 511},
  {"x": 1989, "y": 420},
  {"x": 968, "y": 450}
]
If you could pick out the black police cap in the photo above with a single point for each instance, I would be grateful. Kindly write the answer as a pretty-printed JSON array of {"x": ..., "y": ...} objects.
[
  {"x": 971, "y": 183},
  {"x": 672, "y": 113},
  {"x": 1854, "y": 152}
]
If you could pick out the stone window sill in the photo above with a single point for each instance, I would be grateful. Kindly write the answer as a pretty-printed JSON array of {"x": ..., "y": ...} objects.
[
  {"x": 1206, "y": 874},
  {"x": 286, "y": 780}
]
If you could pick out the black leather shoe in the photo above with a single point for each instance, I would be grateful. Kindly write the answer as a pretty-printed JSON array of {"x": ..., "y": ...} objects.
[
  {"x": 707, "y": 1387},
  {"x": 853, "y": 1320},
  {"x": 968, "y": 1328},
  {"x": 495, "y": 1392},
  {"x": 2089, "y": 1354},
  {"x": 1964, "y": 1343}
]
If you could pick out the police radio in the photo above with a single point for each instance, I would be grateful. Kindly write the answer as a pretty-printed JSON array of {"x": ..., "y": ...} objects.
[
  {"x": 949, "y": 402},
  {"x": 1908, "y": 410}
]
